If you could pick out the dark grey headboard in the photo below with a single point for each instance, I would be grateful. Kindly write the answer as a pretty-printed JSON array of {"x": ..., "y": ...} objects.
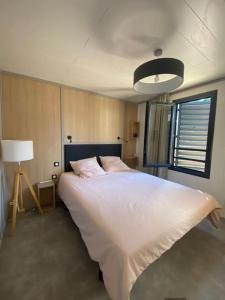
[{"x": 73, "y": 152}]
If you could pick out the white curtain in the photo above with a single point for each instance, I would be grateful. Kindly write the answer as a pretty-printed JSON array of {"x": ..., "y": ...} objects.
[
  {"x": 3, "y": 200},
  {"x": 158, "y": 147}
]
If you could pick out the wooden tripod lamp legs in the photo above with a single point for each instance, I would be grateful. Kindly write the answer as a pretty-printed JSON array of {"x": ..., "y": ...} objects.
[
  {"x": 18, "y": 185},
  {"x": 15, "y": 203}
]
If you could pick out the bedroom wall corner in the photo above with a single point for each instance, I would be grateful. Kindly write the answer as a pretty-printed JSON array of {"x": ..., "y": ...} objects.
[
  {"x": 129, "y": 147},
  {"x": 140, "y": 143},
  {"x": 215, "y": 185}
]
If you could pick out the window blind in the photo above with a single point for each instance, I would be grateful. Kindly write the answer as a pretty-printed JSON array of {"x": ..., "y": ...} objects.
[{"x": 191, "y": 134}]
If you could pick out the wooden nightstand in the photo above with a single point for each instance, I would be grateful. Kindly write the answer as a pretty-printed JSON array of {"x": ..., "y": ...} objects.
[
  {"x": 44, "y": 185},
  {"x": 131, "y": 161}
]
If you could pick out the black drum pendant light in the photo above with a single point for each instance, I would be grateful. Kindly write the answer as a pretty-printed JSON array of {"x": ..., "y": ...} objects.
[{"x": 158, "y": 76}]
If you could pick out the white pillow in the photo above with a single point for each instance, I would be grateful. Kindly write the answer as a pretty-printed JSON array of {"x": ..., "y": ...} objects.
[
  {"x": 87, "y": 167},
  {"x": 113, "y": 164}
]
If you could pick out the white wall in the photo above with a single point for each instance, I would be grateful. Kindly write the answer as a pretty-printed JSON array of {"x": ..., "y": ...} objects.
[{"x": 215, "y": 185}]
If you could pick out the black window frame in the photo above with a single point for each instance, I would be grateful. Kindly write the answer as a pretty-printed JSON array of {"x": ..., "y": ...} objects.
[{"x": 211, "y": 125}]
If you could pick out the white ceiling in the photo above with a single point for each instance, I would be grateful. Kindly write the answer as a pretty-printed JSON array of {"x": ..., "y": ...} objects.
[{"x": 96, "y": 45}]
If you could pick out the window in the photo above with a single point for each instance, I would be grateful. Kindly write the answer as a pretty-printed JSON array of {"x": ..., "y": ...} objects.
[
  {"x": 179, "y": 135},
  {"x": 193, "y": 126}
]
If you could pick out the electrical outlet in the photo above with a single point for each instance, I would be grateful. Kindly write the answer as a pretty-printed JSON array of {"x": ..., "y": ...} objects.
[
  {"x": 56, "y": 164},
  {"x": 54, "y": 176}
]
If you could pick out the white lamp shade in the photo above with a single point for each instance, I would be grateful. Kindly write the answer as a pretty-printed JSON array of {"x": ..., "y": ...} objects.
[{"x": 16, "y": 151}]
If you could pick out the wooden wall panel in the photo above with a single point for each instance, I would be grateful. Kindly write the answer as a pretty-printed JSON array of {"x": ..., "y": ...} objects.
[
  {"x": 91, "y": 118},
  {"x": 31, "y": 111},
  {"x": 131, "y": 115},
  {"x": 0, "y": 105}
]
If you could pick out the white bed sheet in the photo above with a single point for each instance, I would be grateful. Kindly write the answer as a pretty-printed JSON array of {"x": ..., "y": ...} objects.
[{"x": 128, "y": 219}]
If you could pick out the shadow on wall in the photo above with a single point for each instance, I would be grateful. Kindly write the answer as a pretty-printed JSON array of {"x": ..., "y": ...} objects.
[
  {"x": 134, "y": 29},
  {"x": 125, "y": 92}
]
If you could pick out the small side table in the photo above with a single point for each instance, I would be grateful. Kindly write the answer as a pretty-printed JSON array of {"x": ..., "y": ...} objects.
[
  {"x": 131, "y": 161},
  {"x": 47, "y": 184}
]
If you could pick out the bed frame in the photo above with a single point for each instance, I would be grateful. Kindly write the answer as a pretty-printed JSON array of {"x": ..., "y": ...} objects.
[{"x": 73, "y": 152}]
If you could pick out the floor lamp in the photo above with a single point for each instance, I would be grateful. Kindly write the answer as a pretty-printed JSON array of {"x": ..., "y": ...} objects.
[{"x": 18, "y": 151}]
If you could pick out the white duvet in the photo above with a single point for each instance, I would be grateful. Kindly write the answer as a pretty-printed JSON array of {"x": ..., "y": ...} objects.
[{"x": 128, "y": 219}]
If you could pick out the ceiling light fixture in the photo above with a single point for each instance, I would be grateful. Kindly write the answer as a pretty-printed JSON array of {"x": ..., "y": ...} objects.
[{"x": 158, "y": 76}]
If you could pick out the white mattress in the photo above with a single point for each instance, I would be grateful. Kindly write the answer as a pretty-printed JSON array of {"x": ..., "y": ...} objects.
[{"x": 128, "y": 219}]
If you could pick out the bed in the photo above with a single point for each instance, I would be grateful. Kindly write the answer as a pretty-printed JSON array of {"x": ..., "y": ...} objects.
[{"x": 129, "y": 219}]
